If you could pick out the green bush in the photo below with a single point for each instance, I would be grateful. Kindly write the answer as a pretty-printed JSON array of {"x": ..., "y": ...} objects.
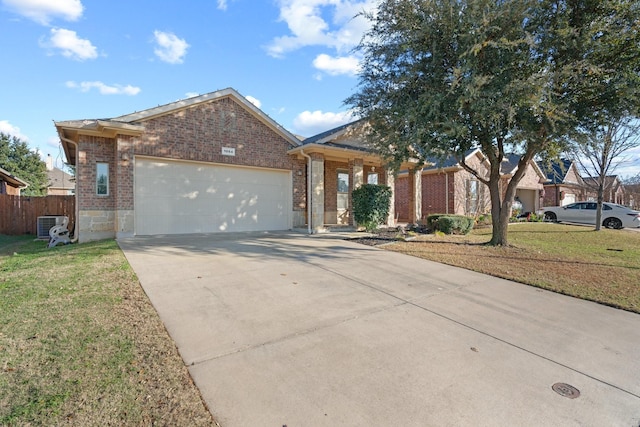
[
  {"x": 450, "y": 224},
  {"x": 371, "y": 205}
]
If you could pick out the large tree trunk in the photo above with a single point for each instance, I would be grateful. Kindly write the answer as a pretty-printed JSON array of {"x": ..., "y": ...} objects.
[
  {"x": 600, "y": 199},
  {"x": 502, "y": 201},
  {"x": 499, "y": 216}
]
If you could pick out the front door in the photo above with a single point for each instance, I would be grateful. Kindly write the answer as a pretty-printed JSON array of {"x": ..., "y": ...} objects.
[{"x": 343, "y": 197}]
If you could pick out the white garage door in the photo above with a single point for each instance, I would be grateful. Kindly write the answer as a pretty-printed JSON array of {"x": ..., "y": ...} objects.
[
  {"x": 173, "y": 197},
  {"x": 568, "y": 199}
]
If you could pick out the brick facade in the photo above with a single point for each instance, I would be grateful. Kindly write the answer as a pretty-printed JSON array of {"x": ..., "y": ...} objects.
[
  {"x": 196, "y": 134},
  {"x": 438, "y": 193}
]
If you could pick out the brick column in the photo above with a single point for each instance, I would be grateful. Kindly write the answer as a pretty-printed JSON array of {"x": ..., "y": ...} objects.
[
  {"x": 124, "y": 163},
  {"x": 415, "y": 195},
  {"x": 317, "y": 192},
  {"x": 389, "y": 181},
  {"x": 356, "y": 179}
]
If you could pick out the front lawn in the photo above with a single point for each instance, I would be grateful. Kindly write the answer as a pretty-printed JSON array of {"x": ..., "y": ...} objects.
[
  {"x": 80, "y": 343},
  {"x": 601, "y": 266}
]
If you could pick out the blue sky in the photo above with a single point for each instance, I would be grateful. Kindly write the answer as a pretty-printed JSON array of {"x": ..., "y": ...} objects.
[{"x": 88, "y": 59}]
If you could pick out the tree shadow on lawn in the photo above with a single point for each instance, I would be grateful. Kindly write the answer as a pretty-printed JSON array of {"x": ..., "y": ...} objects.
[{"x": 523, "y": 258}]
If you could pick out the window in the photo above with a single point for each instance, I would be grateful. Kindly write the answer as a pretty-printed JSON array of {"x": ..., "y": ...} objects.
[
  {"x": 102, "y": 179},
  {"x": 473, "y": 196},
  {"x": 372, "y": 178},
  {"x": 343, "y": 182}
]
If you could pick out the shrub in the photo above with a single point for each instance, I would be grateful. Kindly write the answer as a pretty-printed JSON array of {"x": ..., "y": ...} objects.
[
  {"x": 432, "y": 221},
  {"x": 371, "y": 205},
  {"x": 450, "y": 224},
  {"x": 484, "y": 219}
]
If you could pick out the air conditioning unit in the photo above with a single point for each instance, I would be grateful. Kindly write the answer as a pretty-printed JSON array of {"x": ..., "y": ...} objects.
[{"x": 46, "y": 222}]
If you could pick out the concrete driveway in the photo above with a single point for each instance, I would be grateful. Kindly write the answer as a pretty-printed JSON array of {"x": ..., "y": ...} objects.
[{"x": 287, "y": 329}]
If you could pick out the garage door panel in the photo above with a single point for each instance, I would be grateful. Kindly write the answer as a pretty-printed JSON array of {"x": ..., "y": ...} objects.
[{"x": 174, "y": 197}]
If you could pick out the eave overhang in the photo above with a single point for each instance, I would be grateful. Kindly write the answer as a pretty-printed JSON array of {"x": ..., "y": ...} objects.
[
  {"x": 70, "y": 131},
  {"x": 12, "y": 179},
  {"x": 344, "y": 154}
]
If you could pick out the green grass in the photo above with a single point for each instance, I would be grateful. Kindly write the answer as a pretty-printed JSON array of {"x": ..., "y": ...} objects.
[
  {"x": 81, "y": 345},
  {"x": 601, "y": 266}
]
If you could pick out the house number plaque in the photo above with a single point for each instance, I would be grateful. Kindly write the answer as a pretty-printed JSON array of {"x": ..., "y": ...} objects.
[{"x": 228, "y": 151}]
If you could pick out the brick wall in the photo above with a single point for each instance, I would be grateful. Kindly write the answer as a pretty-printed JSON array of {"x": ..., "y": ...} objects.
[
  {"x": 331, "y": 186},
  {"x": 92, "y": 150},
  {"x": 434, "y": 193},
  {"x": 195, "y": 134},
  {"x": 199, "y": 134},
  {"x": 401, "y": 202}
]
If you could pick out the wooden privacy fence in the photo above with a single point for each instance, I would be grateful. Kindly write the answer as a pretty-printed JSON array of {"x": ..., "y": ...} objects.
[{"x": 19, "y": 214}]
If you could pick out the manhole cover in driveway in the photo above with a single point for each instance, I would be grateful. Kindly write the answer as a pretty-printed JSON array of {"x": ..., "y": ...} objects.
[{"x": 566, "y": 390}]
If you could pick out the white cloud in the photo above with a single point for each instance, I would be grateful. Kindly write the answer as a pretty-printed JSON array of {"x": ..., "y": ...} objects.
[
  {"x": 104, "y": 89},
  {"x": 628, "y": 164},
  {"x": 309, "y": 27},
  {"x": 254, "y": 101},
  {"x": 9, "y": 129},
  {"x": 191, "y": 94},
  {"x": 171, "y": 48},
  {"x": 336, "y": 66},
  {"x": 314, "y": 122},
  {"x": 43, "y": 11},
  {"x": 70, "y": 45},
  {"x": 223, "y": 4}
]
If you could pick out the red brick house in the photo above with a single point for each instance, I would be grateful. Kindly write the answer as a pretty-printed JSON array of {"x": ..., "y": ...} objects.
[
  {"x": 446, "y": 187},
  {"x": 212, "y": 163},
  {"x": 10, "y": 184},
  {"x": 564, "y": 184}
]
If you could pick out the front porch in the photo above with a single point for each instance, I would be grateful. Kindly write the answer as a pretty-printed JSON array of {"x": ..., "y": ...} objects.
[{"x": 339, "y": 162}]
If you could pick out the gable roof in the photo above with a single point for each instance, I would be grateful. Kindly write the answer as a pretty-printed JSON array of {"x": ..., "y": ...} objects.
[
  {"x": 449, "y": 162},
  {"x": 610, "y": 181},
  {"x": 342, "y": 143},
  {"x": 133, "y": 124},
  {"x": 141, "y": 116},
  {"x": 510, "y": 163},
  {"x": 556, "y": 171},
  {"x": 60, "y": 179},
  {"x": 332, "y": 134}
]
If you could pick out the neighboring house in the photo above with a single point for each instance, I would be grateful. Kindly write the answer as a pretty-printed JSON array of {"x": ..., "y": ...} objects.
[
  {"x": 212, "y": 163},
  {"x": 614, "y": 191},
  {"x": 447, "y": 187},
  {"x": 60, "y": 183},
  {"x": 564, "y": 185},
  {"x": 10, "y": 184},
  {"x": 632, "y": 195}
]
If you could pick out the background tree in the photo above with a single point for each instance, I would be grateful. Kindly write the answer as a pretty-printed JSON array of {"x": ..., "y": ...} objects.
[
  {"x": 17, "y": 158},
  {"x": 441, "y": 78},
  {"x": 599, "y": 152}
]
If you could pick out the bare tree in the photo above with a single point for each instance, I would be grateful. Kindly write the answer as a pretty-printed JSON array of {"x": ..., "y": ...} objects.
[{"x": 599, "y": 152}]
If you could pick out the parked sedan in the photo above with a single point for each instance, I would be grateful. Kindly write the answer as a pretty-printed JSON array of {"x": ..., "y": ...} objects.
[{"x": 613, "y": 216}]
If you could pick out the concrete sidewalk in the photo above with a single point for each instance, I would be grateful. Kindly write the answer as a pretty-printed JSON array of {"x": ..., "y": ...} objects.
[{"x": 287, "y": 329}]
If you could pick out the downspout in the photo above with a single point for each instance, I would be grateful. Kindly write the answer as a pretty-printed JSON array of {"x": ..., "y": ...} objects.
[
  {"x": 309, "y": 217},
  {"x": 76, "y": 231}
]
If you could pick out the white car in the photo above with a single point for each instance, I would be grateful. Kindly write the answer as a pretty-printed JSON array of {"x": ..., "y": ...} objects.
[{"x": 613, "y": 216}]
